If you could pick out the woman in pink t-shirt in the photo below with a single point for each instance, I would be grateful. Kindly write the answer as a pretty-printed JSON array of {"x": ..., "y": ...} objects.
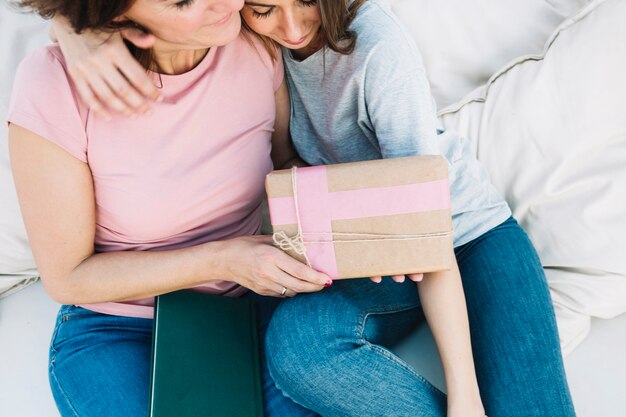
[{"x": 119, "y": 210}]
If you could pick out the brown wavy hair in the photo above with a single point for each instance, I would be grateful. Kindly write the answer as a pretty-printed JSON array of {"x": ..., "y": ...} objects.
[
  {"x": 91, "y": 15},
  {"x": 83, "y": 14},
  {"x": 336, "y": 16}
]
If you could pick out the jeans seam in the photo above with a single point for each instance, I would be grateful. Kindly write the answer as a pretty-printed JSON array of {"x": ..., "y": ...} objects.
[
  {"x": 53, "y": 356},
  {"x": 393, "y": 358},
  {"x": 381, "y": 350},
  {"x": 61, "y": 390},
  {"x": 398, "y": 308},
  {"x": 283, "y": 392},
  {"x": 55, "y": 332}
]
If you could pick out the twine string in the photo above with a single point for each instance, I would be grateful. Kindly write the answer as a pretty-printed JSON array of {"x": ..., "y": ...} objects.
[{"x": 296, "y": 243}]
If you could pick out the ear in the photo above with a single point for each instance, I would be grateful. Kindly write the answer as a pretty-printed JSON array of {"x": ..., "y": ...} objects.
[
  {"x": 134, "y": 33},
  {"x": 138, "y": 37}
]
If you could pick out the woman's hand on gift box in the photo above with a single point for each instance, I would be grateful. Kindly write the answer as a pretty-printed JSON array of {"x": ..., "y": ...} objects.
[
  {"x": 255, "y": 263},
  {"x": 399, "y": 278}
]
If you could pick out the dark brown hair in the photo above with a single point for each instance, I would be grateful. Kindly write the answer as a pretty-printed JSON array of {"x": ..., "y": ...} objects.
[
  {"x": 336, "y": 16},
  {"x": 83, "y": 14},
  {"x": 91, "y": 14}
]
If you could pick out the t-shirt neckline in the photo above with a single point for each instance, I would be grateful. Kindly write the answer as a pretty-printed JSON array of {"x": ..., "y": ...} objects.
[{"x": 167, "y": 82}]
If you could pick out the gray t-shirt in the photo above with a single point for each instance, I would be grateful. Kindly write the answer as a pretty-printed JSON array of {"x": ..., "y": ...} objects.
[{"x": 376, "y": 103}]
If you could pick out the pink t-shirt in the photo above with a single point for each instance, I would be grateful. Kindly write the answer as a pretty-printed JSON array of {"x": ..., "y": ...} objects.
[{"x": 191, "y": 172}]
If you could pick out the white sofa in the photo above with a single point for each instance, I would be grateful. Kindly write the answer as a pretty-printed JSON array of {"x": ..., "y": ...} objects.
[{"x": 492, "y": 66}]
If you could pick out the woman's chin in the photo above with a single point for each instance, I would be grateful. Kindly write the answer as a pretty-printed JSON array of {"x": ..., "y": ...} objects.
[
  {"x": 231, "y": 31},
  {"x": 223, "y": 34}
]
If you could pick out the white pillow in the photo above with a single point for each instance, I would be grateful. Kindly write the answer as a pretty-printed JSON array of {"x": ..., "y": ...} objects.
[
  {"x": 465, "y": 41},
  {"x": 551, "y": 130},
  {"x": 19, "y": 34}
]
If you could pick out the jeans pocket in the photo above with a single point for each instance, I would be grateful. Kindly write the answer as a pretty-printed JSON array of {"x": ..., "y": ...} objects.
[
  {"x": 72, "y": 312},
  {"x": 67, "y": 325}
]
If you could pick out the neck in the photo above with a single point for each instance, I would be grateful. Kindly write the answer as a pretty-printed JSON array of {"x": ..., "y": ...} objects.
[
  {"x": 177, "y": 61},
  {"x": 303, "y": 53}
]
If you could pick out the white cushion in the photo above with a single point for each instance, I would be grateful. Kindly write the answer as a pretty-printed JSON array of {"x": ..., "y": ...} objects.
[
  {"x": 26, "y": 323},
  {"x": 465, "y": 41},
  {"x": 19, "y": 34},
  {"x": 552, "y": 132}
]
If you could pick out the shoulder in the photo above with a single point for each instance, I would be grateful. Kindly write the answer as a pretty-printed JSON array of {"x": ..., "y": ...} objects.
[
  {"x": 42, "y": 76},
  {"x": 382, "y": 42},
  {"x": 376, "y": 24},
  {"x": 249, "y": 56},
  {"x": 43, "y": 63},
  {"x": 45, "y": 101},
  {"x": 250, "y": 49}
]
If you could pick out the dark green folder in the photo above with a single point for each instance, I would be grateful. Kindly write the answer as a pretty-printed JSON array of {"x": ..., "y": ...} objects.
[{"x": 205, "y": 357}]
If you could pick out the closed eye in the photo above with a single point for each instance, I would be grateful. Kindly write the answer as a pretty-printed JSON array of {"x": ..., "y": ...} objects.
[
  {"x": 183, "y": 3},
  {"x": 263, "y": 14},
  {"x": 262, "y": 11}
]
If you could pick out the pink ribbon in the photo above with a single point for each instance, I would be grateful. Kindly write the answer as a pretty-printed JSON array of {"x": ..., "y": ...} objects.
[{"x": 318, "y": 207}]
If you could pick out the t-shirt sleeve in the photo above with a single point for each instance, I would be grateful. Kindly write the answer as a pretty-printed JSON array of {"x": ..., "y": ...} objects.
[
  {"x": 399, "y": 102},
  {"x": 45, "y": 102}
]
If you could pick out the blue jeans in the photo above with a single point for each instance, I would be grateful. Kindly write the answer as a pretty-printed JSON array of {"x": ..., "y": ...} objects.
[
  {"x": 100, "y": 365},
  {"x": 329, "y": 351}
]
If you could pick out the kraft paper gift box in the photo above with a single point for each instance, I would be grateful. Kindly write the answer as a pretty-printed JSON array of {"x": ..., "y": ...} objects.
[{"x": 363, "y": 219}]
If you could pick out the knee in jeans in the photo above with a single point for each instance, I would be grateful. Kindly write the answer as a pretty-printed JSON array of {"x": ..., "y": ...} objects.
[{"x": 298, "y": 350}]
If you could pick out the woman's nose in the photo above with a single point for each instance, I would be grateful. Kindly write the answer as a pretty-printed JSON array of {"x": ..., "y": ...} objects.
[
  {"x": 225, "y": 6},
  {"x": 293, "y": 27}
]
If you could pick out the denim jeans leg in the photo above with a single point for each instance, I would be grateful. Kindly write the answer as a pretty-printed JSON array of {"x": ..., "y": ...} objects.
[
  {"x": 513, "y": 328},
  {"x": 275, "y": 403},
  {"x": 327, "y": 351},
  {"x": 100, "y": 364}
]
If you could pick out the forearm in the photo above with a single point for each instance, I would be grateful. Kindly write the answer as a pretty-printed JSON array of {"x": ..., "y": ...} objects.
[
  {"x": 120, "y": 276},
  {"x": 443, "y": 302}
]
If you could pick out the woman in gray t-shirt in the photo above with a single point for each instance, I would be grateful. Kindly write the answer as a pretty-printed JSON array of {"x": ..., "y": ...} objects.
[{"x": 359, "y": 91}]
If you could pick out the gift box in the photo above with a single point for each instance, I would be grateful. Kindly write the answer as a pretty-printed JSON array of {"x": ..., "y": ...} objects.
[{"x": 363, "y": 219}]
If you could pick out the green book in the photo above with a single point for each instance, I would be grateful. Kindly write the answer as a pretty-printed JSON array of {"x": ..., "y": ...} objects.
[{"x": 205, "y": 357}]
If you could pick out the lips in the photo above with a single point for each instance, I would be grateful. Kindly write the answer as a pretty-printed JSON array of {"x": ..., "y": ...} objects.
[{"x": 298, "y": 42}]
